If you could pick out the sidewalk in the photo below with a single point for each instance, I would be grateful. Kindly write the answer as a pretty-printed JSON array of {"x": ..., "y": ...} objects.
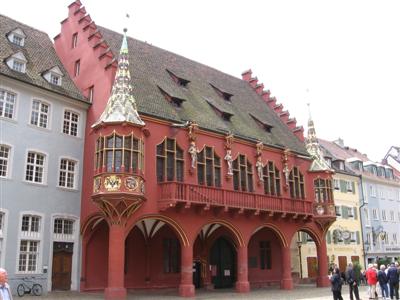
[{"x": 302, "y": 292}]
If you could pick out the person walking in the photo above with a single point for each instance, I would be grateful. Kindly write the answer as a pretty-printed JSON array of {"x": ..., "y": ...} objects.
[
  {"x": 352, "y": 282},
  {"x": 372, "y": 279},
  {"x": 393, "y": 277},
  {"x": 336, "y": 282},
  {"x": 383, "y": 282},
  {"x": 5, "y": 292}
]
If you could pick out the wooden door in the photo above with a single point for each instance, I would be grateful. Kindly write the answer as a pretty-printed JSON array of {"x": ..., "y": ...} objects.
[
  {"x": 312, "y": 267},
  {"x": 223, "y": 258},
  {"x": 62, "y": 266},
  {"x": 355, "y": 259},
  {"x": 342, "y": 263}
]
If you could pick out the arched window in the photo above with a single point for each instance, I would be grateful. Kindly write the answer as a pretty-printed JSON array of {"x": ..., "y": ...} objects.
[
  {"x": 296, "y": 184},
  {"x": 209, "y": 167},
  {"x": 115, "y": 151},
  {"x": 169, "y": 161},
  {"x": 272, "y": 179},
  {"x": 323, "y": 190},
  {"x": 242, "y": 174}
]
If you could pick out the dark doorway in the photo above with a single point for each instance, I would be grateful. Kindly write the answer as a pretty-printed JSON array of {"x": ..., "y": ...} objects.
[
  {"x": 223, "y": 264},
  {"x": 197, "y": 274},
  {"x": 62, "y": 266}
]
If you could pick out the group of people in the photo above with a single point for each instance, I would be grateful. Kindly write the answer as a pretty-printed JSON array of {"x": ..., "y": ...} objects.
[{"x": 384, "y": 281}]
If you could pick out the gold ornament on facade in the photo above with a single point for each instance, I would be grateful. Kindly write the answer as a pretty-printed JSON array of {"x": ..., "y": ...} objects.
[
  {"x": 112, "y": 183},
  {"x": 131, "y": 183},
  {"x": 96, "y": 184}
]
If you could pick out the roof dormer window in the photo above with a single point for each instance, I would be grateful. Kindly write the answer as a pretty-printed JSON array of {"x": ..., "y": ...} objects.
[
  {"x": 267, "y": 127},
  {"x": 178, "y": 80},
  {"x": 221, "y": 110},
  {"x": 53, "y": 75},
  {"x": 175, "y": 101},
  {"x": 17, "y": 37},
  {"x": 223, "y": 94},
  {"x": 17, "y": 62}
]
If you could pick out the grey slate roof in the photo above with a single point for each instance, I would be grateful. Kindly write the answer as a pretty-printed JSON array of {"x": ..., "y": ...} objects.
[
  {"x": 41, "y": 56},
  {"x": 148, "y": 67}
]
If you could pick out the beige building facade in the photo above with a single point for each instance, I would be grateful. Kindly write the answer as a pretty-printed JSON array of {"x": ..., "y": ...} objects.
[{"x": 343, "y": 239}]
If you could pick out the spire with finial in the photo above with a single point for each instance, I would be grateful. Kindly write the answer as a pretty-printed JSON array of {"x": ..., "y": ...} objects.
[
  {"x": 313, "y": 147},
  {"x": 121, "y": 106}
]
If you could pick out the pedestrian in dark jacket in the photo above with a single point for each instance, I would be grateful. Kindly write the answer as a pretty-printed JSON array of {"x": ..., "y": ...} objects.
[
  {"x": 393, "y": 277},
  {"x": 383, "y": 282},
  {"x": 352, "y": 282},
  {"x": 336, "y": 282}
]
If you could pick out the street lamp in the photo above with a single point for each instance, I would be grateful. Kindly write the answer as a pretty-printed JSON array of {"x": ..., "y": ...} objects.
[{"x": 299, "y": 243}]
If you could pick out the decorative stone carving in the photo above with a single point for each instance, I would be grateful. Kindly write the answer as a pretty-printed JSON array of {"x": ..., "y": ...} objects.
[
  {"x": 96, "y": 184},
  {"x": 131, "y": 183},
  {"x": 259, "y": 163},
  {"x": 286, "y": 171},
  {"x": 193, "y": 151},
  {"x": 228, "y": 156},
  {"x": 112, "y": 183},
  {"x": 229, "y": 160}
]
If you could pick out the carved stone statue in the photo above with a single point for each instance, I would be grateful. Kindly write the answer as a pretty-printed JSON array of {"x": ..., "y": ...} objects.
[
  {"x": 193, "y": 154},
  {"x": 259, "y": 167},
  {"x": 229, "y": 160}
]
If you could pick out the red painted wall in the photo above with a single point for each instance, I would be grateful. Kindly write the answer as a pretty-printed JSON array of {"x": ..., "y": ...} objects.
[{"x": 93, "y": 72}]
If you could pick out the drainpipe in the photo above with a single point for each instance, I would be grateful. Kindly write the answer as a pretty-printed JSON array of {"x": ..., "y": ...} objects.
[{"x": 361, "y": 221}]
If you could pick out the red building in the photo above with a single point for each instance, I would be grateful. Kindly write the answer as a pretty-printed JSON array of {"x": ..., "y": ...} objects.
[{"x": 192, "y": 177}]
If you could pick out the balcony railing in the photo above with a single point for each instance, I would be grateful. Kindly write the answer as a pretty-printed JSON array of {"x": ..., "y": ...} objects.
[{"x": 172, "y": 193}]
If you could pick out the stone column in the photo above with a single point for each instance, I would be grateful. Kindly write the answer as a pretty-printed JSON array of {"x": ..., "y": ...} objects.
[
  {"x": 186, "y": 287},
  {"x": 322, "y": 279},
  {"x": 286, "y": 281},
  {"x": 116, "y": 258},
  {"x": 242, "y": 283}
]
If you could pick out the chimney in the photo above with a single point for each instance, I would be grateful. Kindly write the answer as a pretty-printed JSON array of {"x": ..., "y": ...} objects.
[{"x": 339, "y": 142}]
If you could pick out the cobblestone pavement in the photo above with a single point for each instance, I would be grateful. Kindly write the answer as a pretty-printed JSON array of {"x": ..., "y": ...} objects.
[{"x": 303, "y": 292}]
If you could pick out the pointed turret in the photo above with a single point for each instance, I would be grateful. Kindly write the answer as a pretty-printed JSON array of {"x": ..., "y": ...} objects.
[
  {"x": 121, "y": 106},
  {"x": 314, "y": 149}
]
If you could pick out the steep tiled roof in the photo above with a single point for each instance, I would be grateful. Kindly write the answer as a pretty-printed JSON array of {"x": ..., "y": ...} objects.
[
  {"x": 149, "y": 65},
  {"x": 343, "y": 153},
  {"x": 41, "y": 56}
]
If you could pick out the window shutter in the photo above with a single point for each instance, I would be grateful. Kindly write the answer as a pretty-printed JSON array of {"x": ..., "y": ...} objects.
[
  {"x": 353, "y": 187},
  {"x": 328, "y": 237},
  {"x": 343, "y": 186},
  {"x": 358, "y": 237},
  {"x": 355, "y": 213},
  {"x": 345, "y": 212}
]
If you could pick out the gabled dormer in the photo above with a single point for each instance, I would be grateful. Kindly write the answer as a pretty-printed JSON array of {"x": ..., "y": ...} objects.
[
  {"x": 338, "y": 164},
  {"x": 53, "y": 76},
  {"x": 355, "y": 163},
  {"x": 222, "y": 111},
  {"x": 264, "y": 125},
  {"x": 179, "y": 80},
  {"x": 17, "y": 62},
  {"x": 17, "y": 37},
  {"x": 223, "y": 94}
]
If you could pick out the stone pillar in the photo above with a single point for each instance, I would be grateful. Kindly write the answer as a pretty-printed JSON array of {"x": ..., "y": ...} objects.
[
  {"x": 322, "y": 279},
  {"x": 287, "y": 281},
  {"x": 116, "y": 257},
  {"x": 186, "y": 287},
  {"x": 242, "y": 283}
]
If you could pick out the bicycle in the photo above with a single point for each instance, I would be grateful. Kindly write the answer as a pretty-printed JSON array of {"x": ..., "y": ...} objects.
[{"x": 28, "y": 286}]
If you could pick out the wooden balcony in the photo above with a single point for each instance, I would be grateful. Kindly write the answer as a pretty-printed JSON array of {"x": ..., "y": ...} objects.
[{"x": 173, "y": 194}]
